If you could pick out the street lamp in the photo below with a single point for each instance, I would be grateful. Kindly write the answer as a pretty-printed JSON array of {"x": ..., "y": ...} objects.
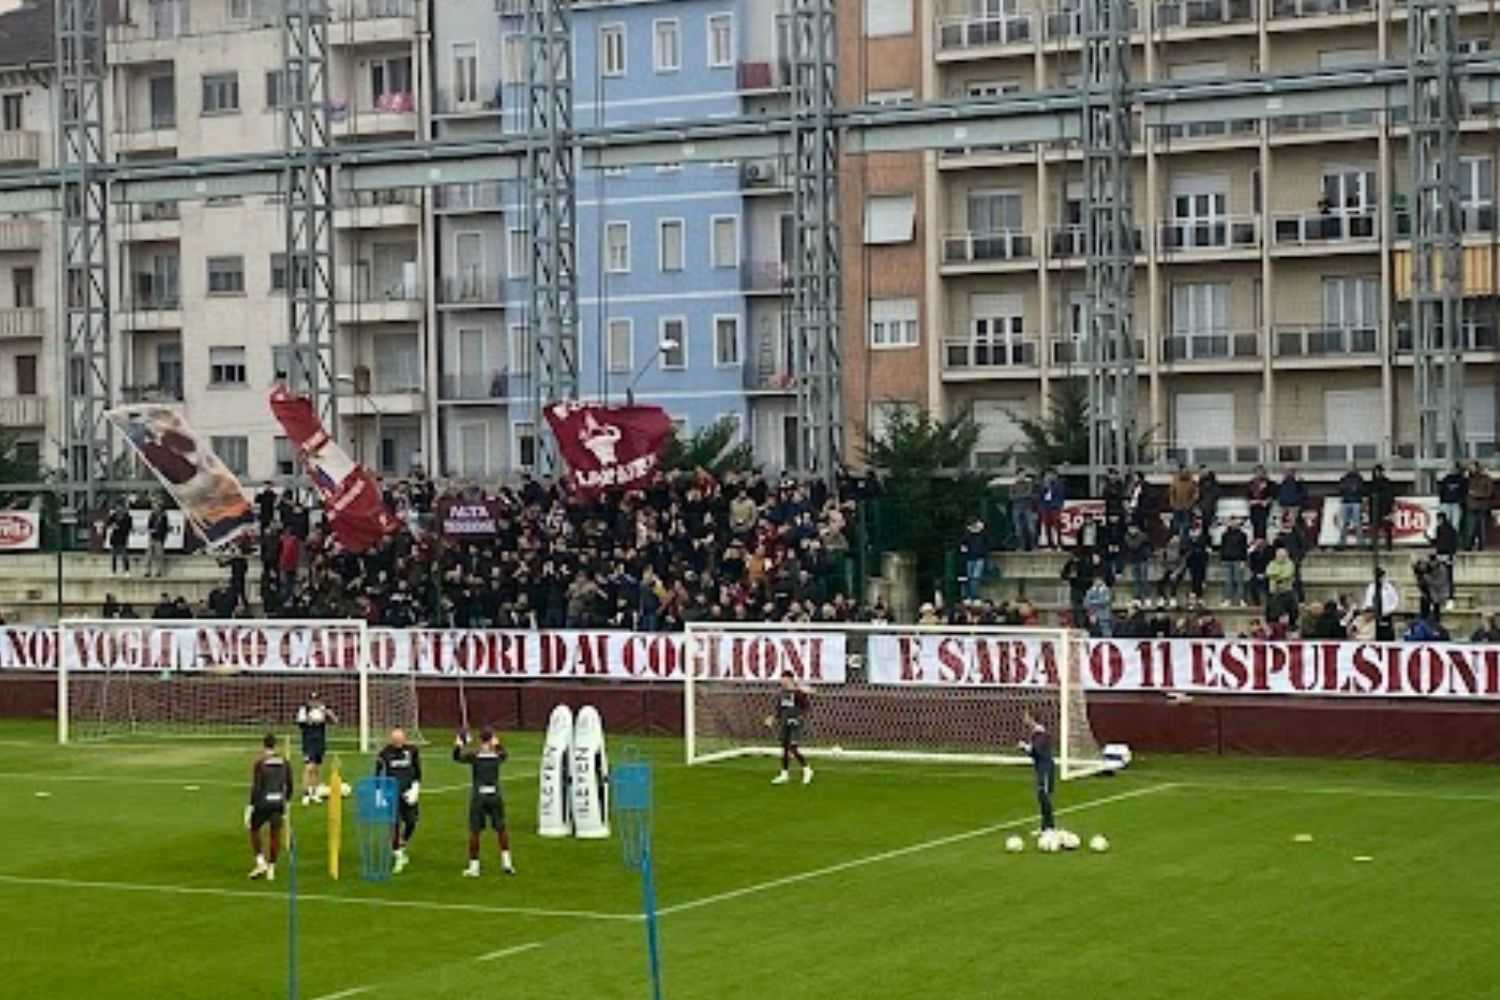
[
  {"x": 666, "y": 345},
  {"x": 349, "y": 381}
]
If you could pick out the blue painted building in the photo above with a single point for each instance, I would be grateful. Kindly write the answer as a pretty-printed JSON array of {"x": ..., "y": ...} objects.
[{"x": 680, "y": 265}]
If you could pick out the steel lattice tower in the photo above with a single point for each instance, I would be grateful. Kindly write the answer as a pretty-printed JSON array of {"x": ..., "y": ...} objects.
[
  {"x": 815, "y": 271},
  {"x": 1109, "y": 235},
  {"x": 552, "y": 190},
  {"x": 1436, "y": 228},
  {"x": 311, "y": 295},
  {"x": 86, "y": 354}
]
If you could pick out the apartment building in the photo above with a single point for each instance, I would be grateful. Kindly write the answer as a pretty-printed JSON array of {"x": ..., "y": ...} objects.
[{"x": 1273, "y": 275}]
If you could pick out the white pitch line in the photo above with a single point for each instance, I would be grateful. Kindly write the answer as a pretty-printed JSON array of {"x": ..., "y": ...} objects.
[
  {"x": 1361, "y": 793},
  {"x": 352, "y": 991},
  {"x": 44, "y": 778},
  {"x": 406, "y": 904},
  {"x": 507, "y": 952},
  {"x": 900, "y": 852}
]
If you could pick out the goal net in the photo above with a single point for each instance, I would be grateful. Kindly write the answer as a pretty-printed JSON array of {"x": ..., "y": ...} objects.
[
  {"x": 889, "y": 692},
  {"x": 223, "y": 678}
]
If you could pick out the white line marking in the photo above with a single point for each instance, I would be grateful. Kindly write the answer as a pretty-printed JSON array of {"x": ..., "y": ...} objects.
[
  {"x": 353, "y": 991},
  {"x": 1362, "y": 793},
  {"x": 507, "y": 952},
  {"x": 116, "y": 779},
  {"x": 408, "y": 904},
  {"x": 899, "y": 852}
]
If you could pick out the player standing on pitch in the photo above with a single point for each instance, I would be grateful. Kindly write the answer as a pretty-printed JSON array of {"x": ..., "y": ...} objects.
[
  {"x": 486, "y": 804},
  {"x": 1039, "y": 749},
  {"x": 270, "y": 791},
  {"x": 404, "y": 763},
  {"x": 791, "y": 702},
  {"x": 314, "y": 718}
]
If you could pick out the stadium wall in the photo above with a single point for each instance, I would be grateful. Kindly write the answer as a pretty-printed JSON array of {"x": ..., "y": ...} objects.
[{"x": 1311, "y": 727}]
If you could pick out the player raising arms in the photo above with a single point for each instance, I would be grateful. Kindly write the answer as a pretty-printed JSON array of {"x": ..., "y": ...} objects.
[
  {"x": 791, "y": 702},
  {"x": 486, "y": 804},
  {"x": 404, "y": 763},
  {"x": 314, "y": 718},
  {"x": 1039, "y": 749},
  {"x": 270, "y": 791}
]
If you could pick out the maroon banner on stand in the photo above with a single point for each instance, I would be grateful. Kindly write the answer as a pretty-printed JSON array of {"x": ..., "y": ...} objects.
[
  {"x": 356, "y": 512},
  {"x": 609, "y": 448}
]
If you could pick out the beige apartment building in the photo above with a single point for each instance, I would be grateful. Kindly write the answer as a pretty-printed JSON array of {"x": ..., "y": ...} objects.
[{"x": 1273, "y": 279}]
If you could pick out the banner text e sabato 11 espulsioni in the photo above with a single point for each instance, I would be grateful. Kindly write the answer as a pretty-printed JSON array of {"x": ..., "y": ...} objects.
[{"x": 1196, "y": 666}]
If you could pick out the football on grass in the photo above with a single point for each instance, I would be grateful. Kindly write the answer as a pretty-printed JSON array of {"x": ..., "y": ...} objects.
[
  {"x": 1098, "y": 842},
  {"x": 1014, "y": 844}
]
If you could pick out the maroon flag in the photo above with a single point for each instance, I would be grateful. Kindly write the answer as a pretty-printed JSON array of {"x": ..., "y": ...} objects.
[
  {"x": 609, "y": 448},
  {"x": 351, "y": 500}
]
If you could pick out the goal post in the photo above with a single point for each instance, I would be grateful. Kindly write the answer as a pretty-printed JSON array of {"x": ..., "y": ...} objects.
[
  {"x": 210, "y": 678},
  {"x": 936, "y": 694}
]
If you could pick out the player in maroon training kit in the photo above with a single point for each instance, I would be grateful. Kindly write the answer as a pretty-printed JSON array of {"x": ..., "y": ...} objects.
[
  {"x": 791, "y": 704},
  {"x": 270, "y": 791}
]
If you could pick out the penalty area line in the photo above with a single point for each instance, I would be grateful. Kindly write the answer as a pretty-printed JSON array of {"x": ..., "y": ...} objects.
[
  {"x": 507, "y": 952},
  {"x": 901, "y": 852},
  {"x": 341, "y": 994}
]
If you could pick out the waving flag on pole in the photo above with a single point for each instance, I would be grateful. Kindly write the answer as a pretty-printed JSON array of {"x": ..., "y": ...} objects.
[
  {"x": 351, "y": 500},
  {"x": 609, "y": 447},
  {"x": 210, "y": 496}
]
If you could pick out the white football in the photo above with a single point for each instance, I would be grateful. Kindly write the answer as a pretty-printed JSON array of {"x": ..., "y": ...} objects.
[
  {"x": 321, "y": 791},
  {"x": 344, "y": 789},
  {"x": 1069, "y": 839},
  {"x": 1048, "y": 842},
  {"x": 1014, "y": 844},
  {"x": 316, "y": 717},
  {"x": 1098, "y": 842}
]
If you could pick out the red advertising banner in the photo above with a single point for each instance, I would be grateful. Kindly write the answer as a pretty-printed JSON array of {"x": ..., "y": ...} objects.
[
  {"x": 20, "y": 531},
  {"x": 356, "y": 512},
  {"x": 609, "y": 448}
]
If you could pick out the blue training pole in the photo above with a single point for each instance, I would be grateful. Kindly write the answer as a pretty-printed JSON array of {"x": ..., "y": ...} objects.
[
  {"x": 648, "y": 904},
  {"x": 291, "y": 915}
]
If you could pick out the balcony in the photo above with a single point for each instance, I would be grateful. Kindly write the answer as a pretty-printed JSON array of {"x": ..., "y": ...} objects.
[
  {"x": 387, "y": 114},
  {"x": 479, "y": 196},
  {"x": 1324, "y": 228},
  {"x": 1073, "y": 350},
  {"x": 1068, "y": 242},
  {"x": 1238, "y": 232},
  {"x": 1064, "y": 21},
  {"x": 471, "y": 288},
  {"x": 1174, "y": 15},
  {"x": 155, "y": 133},
  {"x": 1237, "y": 130},
  {"x": 20, "y": 235},
  {"x": 152, "y": 311},
  {"x": 372, "y": 22},
  {"x": 151, "y": 34},
  {"x": 475, "y": 387},
  {"x": 961, "y": 32},
  {"x": 376, "y": 209},
  {"x": 1316, "y": 128},
  {"x": 763, "y": 77},
  {"x": 1476, "y": 218},
  {"x": 19, "y": 323},
  {"x": 1298, "y": 9},
  {"x": 393, "y": 298},
  {"x": 1170, "y": 456},
  {"x": 1317, "y": 340},
  {"x": 992, "y": 356},
  {"x": 448, "y": 103},
  {"x": 151, "y": 393},
  {"x": 23, "y": 411},
  {"x": 1333, "y": 454},
  {"x": 766, "y": 277},
  {"x": 149, "y": 222},
  {"x": 1213, "y": 346},
  {"x": 20, "y": 147},
  {"x": 1000, "y": 247},
  {"x": 1476, "y": 335}
]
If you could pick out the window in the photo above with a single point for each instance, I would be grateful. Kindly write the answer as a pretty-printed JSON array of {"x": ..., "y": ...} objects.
[
  {"x": 465, "y": 74},
  {"x": 617, "y": 247},
  {"x": 513, "y": 57},
  {"x": 518, "y": 254},
  {"x": 234, "y": 452},
  {"x": 997, "y": 330},
  {"x": 281, "y": 367},
  {"x": 726, "y": 341},
  {"x": 239, "y": 10},
  {"x": 10, "y": 111},
  {"x": 169, "y": 368},
  {"x": 736, "y": 421},
  {"x": 162, "y": 93},
  {"x": 520, "y": 349},
  {"x": 666, "y": 48},
  {"x": 673, "y": 332},
  {"x": 889, "y": 98},
  {"x": 621, "y": 346},
  {"x": 226, "y": 366},
  {"x": 670, "y": 244},
  {"x": 994, "y": 211},
  {"x": 277, "y": 92},
  {"x": 1200, "y": 319},
  {"x": 221, "y": 93},
  {"x": 890, "y": 218},
  {"x": 720, "y": 40},
  {"x": 390, "y": 79},
  {"x": 893, "y": 323},
  {"x": 398, "y": 362},
  {"x": 23, "y": 287},
  {"x": 887, "y": 17},
  {"x": 726, "y": 241},
  {"x": 286, "y": 460},
  {"x": 226, "y": 275},
  {"x": 279, "y": 274},
  {"x": 25, "y": 371},
  {"x": 1351, "y": 303},
  {"x": 612, "y": 50},
  {"x": 525, "y": 432}
]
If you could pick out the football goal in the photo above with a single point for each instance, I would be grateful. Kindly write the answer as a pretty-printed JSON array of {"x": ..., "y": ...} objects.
[
  {"x": 202, "y": 678},
  {"x": 890, "y": 692}
]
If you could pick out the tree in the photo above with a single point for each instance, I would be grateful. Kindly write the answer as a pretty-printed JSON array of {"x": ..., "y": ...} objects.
[
  {"x": 930, "y": 491},
  {"x": 716, "y": 448},
  {"x": 1060, "y": 436}
]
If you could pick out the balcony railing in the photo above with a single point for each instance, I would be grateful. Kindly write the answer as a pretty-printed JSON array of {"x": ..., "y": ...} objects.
[
  {"x": 1240, "y": 232},
  {"x": 1333, "y": 121},
  {"x": 21, "y": 234},
  {"x": 765, "y": 275},
  {"x": 1218, "y": 129},
  {"x": 1065, "y": 20},
  {"x": 475, "y": 385},
  {"x": 447, "y": 101},
  {"x": 371, "y": 10},
  {"x": 1211, "y": 346},
  {"x": 471, "y": 288},
  {"x": 22, "y": 321},
  {"x": 1476, "y": 335},
  {"x": 1204, "y": 13},
  {"x": 1333, "y": 453},
  {"x": 1473, "y": 217},
  {"x": 1297, "y": 340},
  {"x": 375, "y": 199},
  {"x": 1074, "y": 351},
  {"x": 1007, "y": 244},
  {"x": 152, "y": 393},
  {"x": 1174, "y": 454},
  {"x": 1071, "y": 241},
  {"x": 1320, "y": 8},
  {"x": 479, "y": 196},
  {"x": 152, "y": 301},
  {"x": 20, "y": 146},
  {"x": 771, "y": 377},
  {"x": 763, "y": 75},
  {"x": 975, "y": 31},
  {"x": 1359, "y": 226},
  {"x": 23, "y": 411},
  {"x": 967, "y": 352}
]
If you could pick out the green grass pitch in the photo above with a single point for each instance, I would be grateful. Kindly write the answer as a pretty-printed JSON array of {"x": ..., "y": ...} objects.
[{"x": 886, "y": 881}]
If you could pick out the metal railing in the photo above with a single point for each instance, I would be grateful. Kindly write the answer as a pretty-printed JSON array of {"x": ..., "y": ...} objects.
[
  {"x": 1174, "y": 454},
  {"x": 152, "y": 393},
  {"x": 471, "y": 386},
  {"x": 1473, "y": 217},
  {"x": 1320, "y": 8},
  {"x": 478, "y": 196},
  {"x": 385, "y": 198},
  {"x": 1318, "y": 340},
  {"x": 1334, "y": 121},
  {"x": 491, "y": 100},
  {"x": 1335, "y": 453},
  {"x": 968, "y": 352},
  {"x": 1071, "y": 241},
  {"x": 1216, "y": 345},
  {"x": 1171, "y": 14},
  {"x": 1065, "y": 20},
  {"x": 371, "y": 10},
  {"x": 1006, "y": 244},
  {"x": 973, "y": 31},
  {"x": 471, "y": 287},
  {"x": 1351, "y": 226},
  {"x": 21, "y": 234},
  {"x": 1476, "y": 335},
  {"x": 1074, "y": 351},
  {"x": 1218, "y": 129},
  {"x": 1228, "y": 232},
  {"x": 765, "y": 275},
  {"x": 152, "y": 301},
  {"x": 20, "y": 146}
]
